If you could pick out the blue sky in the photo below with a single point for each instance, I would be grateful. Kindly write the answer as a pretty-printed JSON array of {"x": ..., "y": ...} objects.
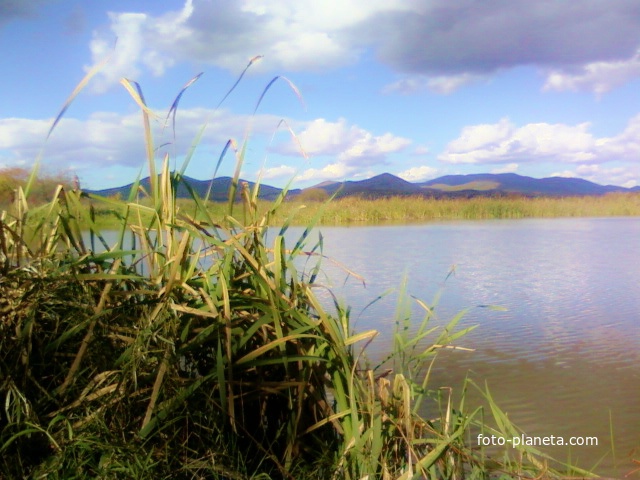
[{"x": 416, "y": 88}]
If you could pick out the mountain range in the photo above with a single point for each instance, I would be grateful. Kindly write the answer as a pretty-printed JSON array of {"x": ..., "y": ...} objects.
[{"x": 388, "y": 185}]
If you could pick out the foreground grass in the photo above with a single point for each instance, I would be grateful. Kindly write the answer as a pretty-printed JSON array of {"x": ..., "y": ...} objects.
[
  {"x": 193, "y": 347},
  {"x": 200, "y": 351}
]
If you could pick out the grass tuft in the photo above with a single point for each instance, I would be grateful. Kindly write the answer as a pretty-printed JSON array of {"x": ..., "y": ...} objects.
[{"x": 194, "y": 347}]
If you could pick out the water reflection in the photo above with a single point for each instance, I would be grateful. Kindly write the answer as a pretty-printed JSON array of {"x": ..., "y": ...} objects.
[
  {"x": 565, "y": 355},
  {"x": 563, "y": 359}
]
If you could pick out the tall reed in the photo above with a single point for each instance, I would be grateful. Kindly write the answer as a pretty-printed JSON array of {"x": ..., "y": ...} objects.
[
  {"x": 194, "y": 347},
  {"x": 355, "y": 210}
]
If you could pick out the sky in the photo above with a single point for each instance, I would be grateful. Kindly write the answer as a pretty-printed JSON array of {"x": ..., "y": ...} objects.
[{"x": 337, "y": 90}]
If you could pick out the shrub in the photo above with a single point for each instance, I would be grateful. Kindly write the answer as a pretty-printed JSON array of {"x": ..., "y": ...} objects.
[
  {"x": 312, "y": 195},
  {"x": 43, "y": 188}
]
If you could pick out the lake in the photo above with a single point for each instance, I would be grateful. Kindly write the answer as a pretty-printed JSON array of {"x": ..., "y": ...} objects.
[{"x": 563, "y": 359}]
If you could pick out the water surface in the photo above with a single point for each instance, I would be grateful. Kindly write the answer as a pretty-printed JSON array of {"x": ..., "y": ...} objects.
[{"x": 563, "y": 359}]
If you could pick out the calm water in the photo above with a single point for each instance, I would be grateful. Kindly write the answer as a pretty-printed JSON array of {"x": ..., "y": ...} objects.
[{"x": 563, "y": 359}]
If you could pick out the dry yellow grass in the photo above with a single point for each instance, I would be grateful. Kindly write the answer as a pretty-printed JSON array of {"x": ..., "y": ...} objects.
[{"x": 355, "y": 210}]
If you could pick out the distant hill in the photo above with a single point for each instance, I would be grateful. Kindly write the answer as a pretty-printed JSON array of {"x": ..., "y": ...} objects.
[
  {"x": 378, "y": 186},
  {"x": 388, "y": 185},
  {"x": 219, "y": 189},
  {"x": 512, "y": 183}
]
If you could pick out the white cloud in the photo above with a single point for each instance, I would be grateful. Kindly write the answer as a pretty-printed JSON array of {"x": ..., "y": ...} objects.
[
  {"x": 505, "y": 143},
  {"x": 565, "y": 174},
  {"x": 333, "y": 171},
  {"x": 627, "y": 176},
  {"x": 418, "y": 174},
  {"x": 108, "y": 139},
  {"x": 281, "y": 171},
  {"x": 352, "y": 148},
  {"x": 440, "y": 45},
  {"x": 598, "y": 77},
  {"x": 350, "y": 144},
  {"x": 440, "y": 84},
  {"x": 591, "y": 169},
  {"x": 446, "y": 84},
  {"x": 291, "y": 35},
  {"x": 626, "y": 145},
  {"x": 123, "y": 61},
  {"x": 509, "y": 168},
  {"x": 134, "y": 40}
]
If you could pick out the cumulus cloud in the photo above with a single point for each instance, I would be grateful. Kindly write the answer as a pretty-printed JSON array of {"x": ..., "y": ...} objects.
[
  {"x": 599, "y": 77},
  {"x": 503, "y": 142},
  {"x": 278, "y": 172},
  {"x": 130, "y": 52},
  {"x": 506, "y": 144},
  {"x": 626, "y": 176},
  {"x": 294, "y": 36},
  {"x": 107, "y": 139},
  {"x": 103, "y": 139},
  {"x": 350, "y": 144},
  {"x": 440, "y": 45},
  {"x": 419, "y": 174},
  {"x": 565, "y": 174},
  {"x": 333, "y": 171},
  {"x": 352, "y": 149},
  {"x": 509, "y": 168}
]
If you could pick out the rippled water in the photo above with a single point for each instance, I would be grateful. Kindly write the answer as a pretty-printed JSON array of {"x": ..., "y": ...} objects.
[{"x": 563, "y": 359}]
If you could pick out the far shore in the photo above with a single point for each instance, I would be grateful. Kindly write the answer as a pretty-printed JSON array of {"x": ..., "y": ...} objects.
[
  {"x": 411, "y": 210},
  {"x": 314, "y": 206}
]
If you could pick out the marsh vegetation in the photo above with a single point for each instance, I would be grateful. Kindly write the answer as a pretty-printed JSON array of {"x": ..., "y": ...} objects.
[
  {"x": 355, "y": 210},
  {"x": 403, "y": 210},
  {"x": 194, "y": 347}
]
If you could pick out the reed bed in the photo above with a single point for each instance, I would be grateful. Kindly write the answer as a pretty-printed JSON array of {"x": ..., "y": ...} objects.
[
  {"x": 354, "y": 210},
  {"x": 399, "y": 210},
  {"x": 193, "y": 347}
]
